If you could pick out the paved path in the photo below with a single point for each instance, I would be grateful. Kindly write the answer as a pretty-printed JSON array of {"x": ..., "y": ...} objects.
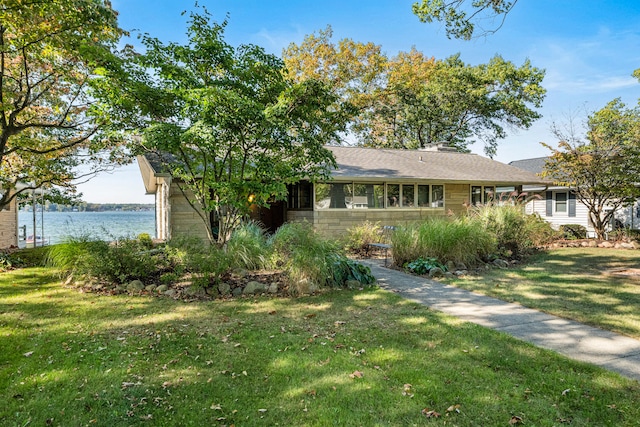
[{"x": 572, "y": 339}]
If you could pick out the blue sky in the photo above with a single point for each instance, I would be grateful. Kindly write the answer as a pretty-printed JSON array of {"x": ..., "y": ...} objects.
[{"x": 588, "y": 48}]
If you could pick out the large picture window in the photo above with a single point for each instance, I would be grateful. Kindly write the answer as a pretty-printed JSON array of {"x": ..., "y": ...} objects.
[
  {"x": 375, "y": 196},
  {"x": 300, "y": 196}
]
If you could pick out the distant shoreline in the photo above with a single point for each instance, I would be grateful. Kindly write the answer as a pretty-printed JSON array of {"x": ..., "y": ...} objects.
[{"x": 92, "y": 207}]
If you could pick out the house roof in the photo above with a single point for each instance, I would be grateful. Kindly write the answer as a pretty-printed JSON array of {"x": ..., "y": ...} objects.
[
  {"x": 441, "y": 166},
  {"x": 535, "y": 165}
]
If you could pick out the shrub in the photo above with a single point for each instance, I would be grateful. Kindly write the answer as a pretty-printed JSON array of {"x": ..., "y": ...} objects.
[
  {"x": 247, "y": 247},
  {"x": 459, "y": 240},
  {"x": 359, "y": 237},
  {"x": 424, "y": 265},
  {"x": 572, "y": 231},
  {"x": 345, "y": 269},
  {"x": 9, "y": 261},
  {"x": 206, "y": 263}
]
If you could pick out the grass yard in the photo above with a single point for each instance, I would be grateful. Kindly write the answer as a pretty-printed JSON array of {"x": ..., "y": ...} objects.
[
  {"x": 572, "y": 283},
  {"x": 348, "y": 358}
]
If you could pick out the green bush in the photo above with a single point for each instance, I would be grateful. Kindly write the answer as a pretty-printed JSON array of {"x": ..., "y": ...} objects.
[
  {"x": 459, "y": 240},
  {"x": 9, "y": 261},
  {"x": 206, "y": 263},
  {"x": 359, "y": 237},
  {"x": 572, "y": 231},
  {"x": 423, "y": 266}
]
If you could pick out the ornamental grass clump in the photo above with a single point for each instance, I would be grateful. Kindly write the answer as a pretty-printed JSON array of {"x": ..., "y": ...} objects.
[
  {"x": 359, "y": 237},
  {"x": 516, "y": 232},
  {"x": 458, "y": 240},
  {"x": 247, "y": 247}
]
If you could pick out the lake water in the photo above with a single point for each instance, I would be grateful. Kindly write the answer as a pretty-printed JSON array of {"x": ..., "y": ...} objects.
[{"x": 102, "y": 225}]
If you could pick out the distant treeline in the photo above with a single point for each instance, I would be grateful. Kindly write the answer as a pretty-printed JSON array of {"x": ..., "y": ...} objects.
[{"x": 92, "y": 207}]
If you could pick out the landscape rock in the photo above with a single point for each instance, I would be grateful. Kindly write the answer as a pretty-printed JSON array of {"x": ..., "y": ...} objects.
[
  {"x": 449, "y": 275},
  {"x": 451, "y": 266},
  {"x": 273, "y": 288},
  {"x": 254, "y": 287},
  {"x": 162, "y": 288},
  {"x": 236, "y": 292},
  {"x": 352, "y": 284},
  {"x": 212, "y": 291},
  {"x": 500, "y": 263},
  {"x": 170, "y": 293},
  {"x": 627, "y": 245},
  {"x": 135, "y": 286},
  {"x": 461, "y": 272},
  {"x": 605, "y": 244},
  {"x": 150, "y": 288},
  {"x": 436, "y": 272},
  {"x": 224, "y": 288},
  {"x": 461, "y": 266},
  {"x": 195, "y": 291}
]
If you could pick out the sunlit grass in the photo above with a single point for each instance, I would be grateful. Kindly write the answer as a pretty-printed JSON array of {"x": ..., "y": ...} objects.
[
  {"x": 343, "y": 358},
  {"x": 572, "y": 283}
]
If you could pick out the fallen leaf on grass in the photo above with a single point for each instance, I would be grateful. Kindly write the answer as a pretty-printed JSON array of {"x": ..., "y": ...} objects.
[
  {"x": 310, "y": 316},
  {"x": 564, "y": 392},
  {"x": 429, "y": 413},
  {"x": 339, "y": 322},
  {"x": 262, "y": 410},
  {"x": 516, "y": 420},
  {"x": 454, "y": 408},
  {"x": 356, "y": 374},
  {"x": 28, "y": 353}
]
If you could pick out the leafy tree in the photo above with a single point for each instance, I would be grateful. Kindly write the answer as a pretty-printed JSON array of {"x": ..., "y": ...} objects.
[
  {"x": 413, "y": 101},
  {"x": 52, "y": 55},
  {"x": 228, "y": 125},
  {"x": 603, "y": 170},
  {"x": 461, "y": 16}
]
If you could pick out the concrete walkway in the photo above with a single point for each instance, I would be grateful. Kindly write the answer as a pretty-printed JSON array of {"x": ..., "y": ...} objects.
[{"x": 572, "y": 339}]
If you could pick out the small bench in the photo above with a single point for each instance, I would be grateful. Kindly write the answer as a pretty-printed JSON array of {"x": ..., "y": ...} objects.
[{"x": 385, "y": 241}]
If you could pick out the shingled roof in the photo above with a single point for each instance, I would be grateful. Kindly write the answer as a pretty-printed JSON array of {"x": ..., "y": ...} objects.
[
  {"x": 535, "y": 165},
  {"x": 441, "y": 166}
]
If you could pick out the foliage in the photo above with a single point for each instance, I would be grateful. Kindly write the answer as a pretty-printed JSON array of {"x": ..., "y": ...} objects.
[
  {"x": 459, "y": 240},
  {"x": 413, "y": 101},
  {"x": 603, "y": 169},
  {"x": 206, "y": 263},
  {"x": 117, "y": 262},
  {"x": 247, "y": 247},
  {"x": 573, "y": 231},
  {"x": 9, "y": 261},
  {"x": 424, "y": 265},
  {"x": 312, "y": 262},
  {"x": 459, "y": 22},
  {"x": 345, "y": 269},
  {"x": 54, "y": 58},
  {"x": 516, "y": 232},
  {"x": 227, "y": 124},
  {"x": 359, "y": 237}
]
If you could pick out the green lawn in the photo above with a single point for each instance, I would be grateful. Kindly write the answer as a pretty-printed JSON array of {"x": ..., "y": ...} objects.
[
  {"x": 348, "y": 358},
  {"x": 571, "y": 283}
]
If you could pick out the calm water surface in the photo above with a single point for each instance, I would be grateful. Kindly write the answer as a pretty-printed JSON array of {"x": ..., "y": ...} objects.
[{"x": 102, "y": 225}]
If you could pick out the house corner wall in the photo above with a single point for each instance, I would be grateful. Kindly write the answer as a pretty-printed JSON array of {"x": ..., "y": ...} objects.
[{"x": 9, "y": 226}]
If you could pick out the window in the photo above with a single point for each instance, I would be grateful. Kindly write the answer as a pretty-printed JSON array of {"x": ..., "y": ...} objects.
[
  {"x": 561, "y": 202},
  {"x": 408, "y": 195},
  {"x": 437, "y": 196},
  {"x": 299, "y": 195},
  {"x": 393, "y": 195},
  {"x": 366, "y": 196},
  {"x": 423, "y": 196},
  {"x": 482, "y": 195}
]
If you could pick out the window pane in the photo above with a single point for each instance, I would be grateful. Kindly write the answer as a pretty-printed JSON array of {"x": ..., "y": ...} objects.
[
  {"x": 423, "y": 196},
  {"x": 333, "y": 196},
  {"x": 476, "y": 195},
  {"x": 437, "y": 196},
  {"x": 305, "y": 193},
  {"x": 293, "y": 196},
  {"x": 561, "y": 202},
  {"x": 368, "y": 196},
  {"x": 408, "y": 195},
  {"x": 393, "y": 195},
  {"x": 489, "y": 194}
]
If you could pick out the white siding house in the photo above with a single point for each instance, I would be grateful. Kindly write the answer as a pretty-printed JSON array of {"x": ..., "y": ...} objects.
[{"x": 558, "y": 205}]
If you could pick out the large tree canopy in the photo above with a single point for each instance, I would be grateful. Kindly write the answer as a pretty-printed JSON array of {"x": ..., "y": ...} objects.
[
  {"x": 413, "y": 101},
  {"x": 603, "y": 170},
  {"x": 464, "y": 19},
  {"x": 51, "y": 55},
  {"x": 227, "y": 123}
]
